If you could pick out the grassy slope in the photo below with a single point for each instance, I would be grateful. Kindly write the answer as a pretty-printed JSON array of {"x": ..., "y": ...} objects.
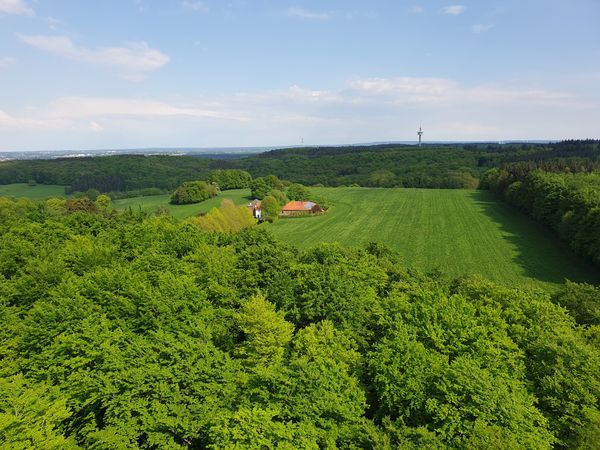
[
  {"x": 38, "y": 192},
  {"x": 238, "y": 196},
  {"x": 458, "y": 231}
]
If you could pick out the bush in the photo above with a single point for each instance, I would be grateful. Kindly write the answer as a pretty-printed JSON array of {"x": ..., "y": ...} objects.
[
  {"x": 271, "y": 208},
  {"x": 193, "y": 192},
  {"x": 230, "y": 178}
]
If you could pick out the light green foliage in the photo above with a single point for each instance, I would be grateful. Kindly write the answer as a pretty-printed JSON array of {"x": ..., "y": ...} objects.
[
  {"x": 457, "y": 231},
  {"x": 280, "y": 196},
  {"x": 56, "y": 205},
  {"x": 124, "y": 331},
  {"x": 31, "y": 415},
  {"x": 258, "y": 429},
  {"x": 266, "y": 332},
  {"x": 104, "y": 203},
  {"x": 448, "y": 362},
  {"x": 270, "y": 208},
  {"x": 226, "y": 218},
  {"x": 323, "y": 342}
]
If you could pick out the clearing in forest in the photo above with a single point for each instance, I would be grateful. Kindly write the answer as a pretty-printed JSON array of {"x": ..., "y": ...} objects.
[
  {"x": 35, "y": 192},
  {"x": 459, "y": 232},
  {"x": 154, "y": 202}
]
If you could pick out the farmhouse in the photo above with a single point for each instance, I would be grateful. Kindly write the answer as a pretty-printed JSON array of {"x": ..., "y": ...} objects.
[
  {"x": 299, "y": 208},
  {"x": 255, "y": 208}
]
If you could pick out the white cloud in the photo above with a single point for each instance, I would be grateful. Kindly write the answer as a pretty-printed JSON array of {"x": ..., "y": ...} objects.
[
  {"x": 438, "y": 91},
  {"x": 98, "y": 107},
  {"x": 6, "y": 61},
  {"x": 361, "y": 110},
  {"x": 11, "y": 122},
  {"x": 133, "y": 60},
  {"x": 454, "y": 10},
  {"x": 306, "y": 14},
  {"x": 418, "y": 9},
  {"x": 18, "y": 7},
  {"x": 196, "y": 5},
  {"x": 480, "y": 28}
]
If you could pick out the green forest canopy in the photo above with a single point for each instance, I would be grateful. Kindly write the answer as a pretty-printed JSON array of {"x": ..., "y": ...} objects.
[
  {"x": 390, "y": 165},
  {"x": 134, "y": 331}
]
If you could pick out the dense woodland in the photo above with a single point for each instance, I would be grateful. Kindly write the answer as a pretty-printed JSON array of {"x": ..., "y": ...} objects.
[
  {"x": 140, "y": 331},
  {"x": 108, "y": 173},
  {"x": 131, "y": 331},
  {"x": 391, "y": 165}
]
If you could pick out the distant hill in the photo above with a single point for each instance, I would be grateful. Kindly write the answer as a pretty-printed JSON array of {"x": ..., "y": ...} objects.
[{"x": 380, "y": 165}]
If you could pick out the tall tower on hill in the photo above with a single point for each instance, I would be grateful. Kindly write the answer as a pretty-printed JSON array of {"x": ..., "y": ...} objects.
[{"x": 420, "y": 133}]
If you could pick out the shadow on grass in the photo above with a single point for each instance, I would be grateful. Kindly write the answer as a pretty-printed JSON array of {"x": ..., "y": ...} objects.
[{"x": 541, "y": 254}]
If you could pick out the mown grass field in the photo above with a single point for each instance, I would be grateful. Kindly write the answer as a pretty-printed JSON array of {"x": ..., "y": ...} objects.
[
  {"x": 154, "y": 202},
  {"x": 457, "y": 231},
  {"x": 38, "y": 192}
]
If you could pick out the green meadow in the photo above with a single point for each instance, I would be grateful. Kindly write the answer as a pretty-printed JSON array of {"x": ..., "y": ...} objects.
[
  {"x": 156, "y": 202},
  {"x": 456, "y": 231},
  {"x": 37, "y": 192}
]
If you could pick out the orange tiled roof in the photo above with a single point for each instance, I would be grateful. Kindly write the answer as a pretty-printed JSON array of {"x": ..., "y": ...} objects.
[
  {"x": 298, "y": 206},
  {"x": 294, "y": 206}
]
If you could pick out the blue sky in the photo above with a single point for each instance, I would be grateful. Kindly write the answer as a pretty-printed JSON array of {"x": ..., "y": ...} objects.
[{"x": 82, "y": 74}]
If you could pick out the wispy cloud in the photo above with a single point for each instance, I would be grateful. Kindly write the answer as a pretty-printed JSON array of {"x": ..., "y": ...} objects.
[
  {"x": 141, "y": 6},
  {"x": 101, "y": 107},
  {"x": 306, "y": 14},
  {"x": 6, "y": 61},
  {"x": 438, "y": 91},
  {"x": 417, "y": 9},
  {"x": 453, "y": 10},
  {"x": 18, "y": 7},
  {"x": 195, "y": 5},
  {"x": 133, "y": 60},
  {"x": 88, "y": 113},
  {"x": 54, "y": 24},
  {"x": 357, "y": 111},
  {"x": 44, "y": 124},
  {"x": 481, "y": 28}
]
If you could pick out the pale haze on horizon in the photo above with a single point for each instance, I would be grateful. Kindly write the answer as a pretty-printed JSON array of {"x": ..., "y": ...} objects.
[{"x": 189, "y": 73}]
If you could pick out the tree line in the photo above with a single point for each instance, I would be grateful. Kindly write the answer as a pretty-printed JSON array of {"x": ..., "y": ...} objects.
[
  {"x": 139, "y": 331},
  {"x": 568, "y": 203},
  {"x": 391, "y": 165}
]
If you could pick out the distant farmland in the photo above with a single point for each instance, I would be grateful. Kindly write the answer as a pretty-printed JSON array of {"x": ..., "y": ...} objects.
[
  {"x": 154, "y": 202},
  {"x": 37, "y": 192},
  {"x": 457, "y": 231}
]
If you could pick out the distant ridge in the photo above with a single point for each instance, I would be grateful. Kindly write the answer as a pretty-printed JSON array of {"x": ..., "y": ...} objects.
[{"x": 225, "y": 152}]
